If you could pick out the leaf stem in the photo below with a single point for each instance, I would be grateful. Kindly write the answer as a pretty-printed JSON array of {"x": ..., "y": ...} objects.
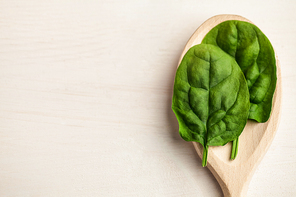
[
  {"x": 205, "y": 156},
  {"x": 234, "y": 149}
]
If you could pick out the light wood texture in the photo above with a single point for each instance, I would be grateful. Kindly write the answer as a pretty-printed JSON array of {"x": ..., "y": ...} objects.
[
  {"x": 234, "y": 176},
  {"x": 85, "y": 98}
]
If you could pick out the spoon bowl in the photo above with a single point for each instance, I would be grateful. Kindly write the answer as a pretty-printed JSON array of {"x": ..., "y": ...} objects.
[{"x": 234, "y": 175}]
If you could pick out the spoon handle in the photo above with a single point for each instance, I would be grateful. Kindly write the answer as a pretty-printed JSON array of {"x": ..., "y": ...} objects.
[
  {"x": 232, "y": 184},
  {"x": 234, "y": 189}
]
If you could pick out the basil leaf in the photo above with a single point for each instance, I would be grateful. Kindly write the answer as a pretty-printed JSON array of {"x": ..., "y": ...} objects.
[
  {"x": 211, "y": 97},
  {"x": 255, "y": 55}
]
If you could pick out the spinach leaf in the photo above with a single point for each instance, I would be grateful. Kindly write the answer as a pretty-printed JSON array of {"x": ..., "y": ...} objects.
[
  {"x": 255, "y": 55},
  {"x": 211, "y": 97}
]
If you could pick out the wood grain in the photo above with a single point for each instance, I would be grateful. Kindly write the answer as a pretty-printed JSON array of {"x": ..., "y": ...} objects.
[
  {"x": 234, "y": 176},
  {"x": 85, "y": 98}
]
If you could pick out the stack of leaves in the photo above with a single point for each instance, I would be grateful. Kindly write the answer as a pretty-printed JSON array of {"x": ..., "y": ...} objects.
[{"x": 228, "y": 78}]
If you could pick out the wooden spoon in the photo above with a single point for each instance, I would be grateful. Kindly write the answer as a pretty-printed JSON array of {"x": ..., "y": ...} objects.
[{"x": 234, "y": 176}]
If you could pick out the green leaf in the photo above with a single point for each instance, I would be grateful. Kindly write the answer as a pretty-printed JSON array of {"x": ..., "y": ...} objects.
[
  {"x": 211, "y": 97},
  {"x": 255, "y": 55}
]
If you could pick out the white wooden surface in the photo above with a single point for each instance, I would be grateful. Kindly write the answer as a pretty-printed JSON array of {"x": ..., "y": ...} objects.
[{"x": 85, "y": 95}]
